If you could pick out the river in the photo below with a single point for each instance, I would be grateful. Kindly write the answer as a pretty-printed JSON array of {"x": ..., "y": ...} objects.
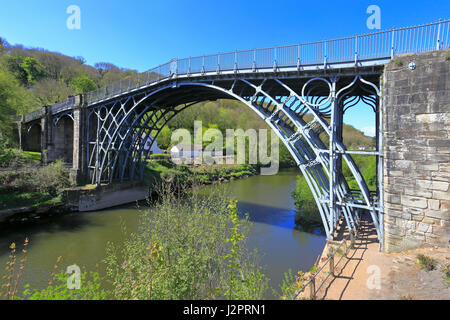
[{"x": 80, "y": 238}]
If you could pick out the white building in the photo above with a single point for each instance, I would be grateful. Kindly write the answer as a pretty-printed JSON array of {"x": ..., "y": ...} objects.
[
  {"x": 154, "y": 148},
  {"x": 187, "y": 151}
]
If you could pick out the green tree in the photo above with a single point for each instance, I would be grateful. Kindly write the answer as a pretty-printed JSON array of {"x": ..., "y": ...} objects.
[
  {"x": 33, "y": 69},
  {"x": 14, "y": 66},
  {"x": 13, "y": 100},
  {"x": 164, "y": 138},
  {"x": 49, "y": 91},
  {"x": 83, "y": 84}
]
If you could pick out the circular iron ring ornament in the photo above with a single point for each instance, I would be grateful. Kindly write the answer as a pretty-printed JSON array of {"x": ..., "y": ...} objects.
[{"x": 316, "y": 105}]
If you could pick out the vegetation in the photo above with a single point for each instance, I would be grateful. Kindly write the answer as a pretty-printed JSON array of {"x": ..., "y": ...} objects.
[
  {"x": 184, "y": 249},
  {"x": 398, "y": 62},
  {"x": 426, "y": 263},
  {"x": 13, "y": 158},
  {"x": 446, "y": 273},
  {"x": 160, "y": 171},
  {"x": 291, "y": 285},
  {"x": 33, "y": 187},
  {"x": 192, "y": 250},
  {"x": 58, "y": 290}
]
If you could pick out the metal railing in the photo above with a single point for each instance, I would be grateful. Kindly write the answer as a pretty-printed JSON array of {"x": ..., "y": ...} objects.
[
  {"x": 62, "y": 106},
  {"x": 34, "y": 115},
  {"x": 332, "y": 264},
  {"x": 374, "y": 46}
]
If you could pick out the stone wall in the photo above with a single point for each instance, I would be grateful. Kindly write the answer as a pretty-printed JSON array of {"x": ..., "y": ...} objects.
[
  {"x": 93, "y": 198},
  {"x": 416, "y": 112}
]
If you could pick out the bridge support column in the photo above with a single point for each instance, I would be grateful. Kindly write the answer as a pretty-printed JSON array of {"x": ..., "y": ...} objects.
[
  {"x": 20, "y": 129},
  {"x": 78, "y": 172},
  {"x": 46, "y": 145}
]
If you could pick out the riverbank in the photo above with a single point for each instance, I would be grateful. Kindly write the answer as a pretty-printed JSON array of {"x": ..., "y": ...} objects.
[{"x": 19, "y": 206}]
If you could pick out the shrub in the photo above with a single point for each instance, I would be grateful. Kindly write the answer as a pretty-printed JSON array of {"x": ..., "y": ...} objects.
[
  {"x": 186, "y": 250},
  {"x": 398, "y": 62},
  {"x": 90, "y": 289},
  {"x": 425, "y": 262},
  {"x": 51, "y": 179},
  {"x": 446, "y": 272},
  {"x": 291, "y": 285}
]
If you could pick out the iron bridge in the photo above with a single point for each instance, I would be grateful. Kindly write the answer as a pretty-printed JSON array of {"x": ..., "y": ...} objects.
[{"x": 301, "y": 91}]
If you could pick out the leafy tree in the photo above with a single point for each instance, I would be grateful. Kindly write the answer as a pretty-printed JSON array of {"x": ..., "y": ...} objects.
[
  {"x": 13, "y": 100},
  {"x": 14, "y": 66},
  {"x": 164, "y": 138},
  {"x": 33, "y": 69},
  {"x": 27, "y": 70},
  {"x": 49, "y": 91},
  {"x": 83, "y": 84}
]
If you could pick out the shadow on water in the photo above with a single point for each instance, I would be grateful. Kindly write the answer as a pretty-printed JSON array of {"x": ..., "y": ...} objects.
[
  {"x": 17, "y": 232},
  {"x": 66, "y": 223},
  {"x": 308, "y": 226},
  {"x": 280, "y": 217}
]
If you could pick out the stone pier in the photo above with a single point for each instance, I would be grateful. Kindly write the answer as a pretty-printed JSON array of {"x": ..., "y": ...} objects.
[{"x": 416, "y": 91}]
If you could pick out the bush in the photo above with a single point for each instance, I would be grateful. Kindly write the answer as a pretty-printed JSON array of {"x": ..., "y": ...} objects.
[
  {"x": 90, "y": 289},
  {"x": 187, "y": 250},
  {"x": 51, "y": 179},
  {"x": 425, "y": 262},
  {"x": 446, "y": 273}
]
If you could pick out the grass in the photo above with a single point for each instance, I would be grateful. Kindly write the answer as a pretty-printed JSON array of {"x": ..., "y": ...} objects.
[
  {"x": 31, "y": 157},
  {"x": 18, "y": 158},
  {"x": 446, "y": 273},
  {"x": 32, "y": 199},
  {"x": 398, "y": 62},
  {"x": 426, "y": 263}
]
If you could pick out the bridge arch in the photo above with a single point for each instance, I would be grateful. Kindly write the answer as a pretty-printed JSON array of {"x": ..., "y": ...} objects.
[
  {"x": 33, "y": 137},
  {"x": 61, "y": 137},
  {"x": 123, "y": 125}
]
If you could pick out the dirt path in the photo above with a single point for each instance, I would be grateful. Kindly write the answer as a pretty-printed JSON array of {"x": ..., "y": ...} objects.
[{"x": 367, "y": 274}]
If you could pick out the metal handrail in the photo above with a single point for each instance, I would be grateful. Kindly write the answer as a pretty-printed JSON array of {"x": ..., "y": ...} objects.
[
  {"x": 313, "y": 277},
  {"x": 62, "y": 106},
  {"x": 377, "y": 45}
]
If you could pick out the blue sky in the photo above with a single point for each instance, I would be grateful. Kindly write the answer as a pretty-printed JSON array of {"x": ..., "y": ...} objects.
[{"x": 143, "y": 34}]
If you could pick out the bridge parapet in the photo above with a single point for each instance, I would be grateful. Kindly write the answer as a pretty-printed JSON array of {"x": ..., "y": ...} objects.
[
  {"x": 63, "y": 106},
  {"x": 34, "y": 115},
  {"x": 359, "y": 50}
]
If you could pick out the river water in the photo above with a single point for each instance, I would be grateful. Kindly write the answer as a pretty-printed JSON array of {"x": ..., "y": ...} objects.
[{"x": 80, "y": 238}]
